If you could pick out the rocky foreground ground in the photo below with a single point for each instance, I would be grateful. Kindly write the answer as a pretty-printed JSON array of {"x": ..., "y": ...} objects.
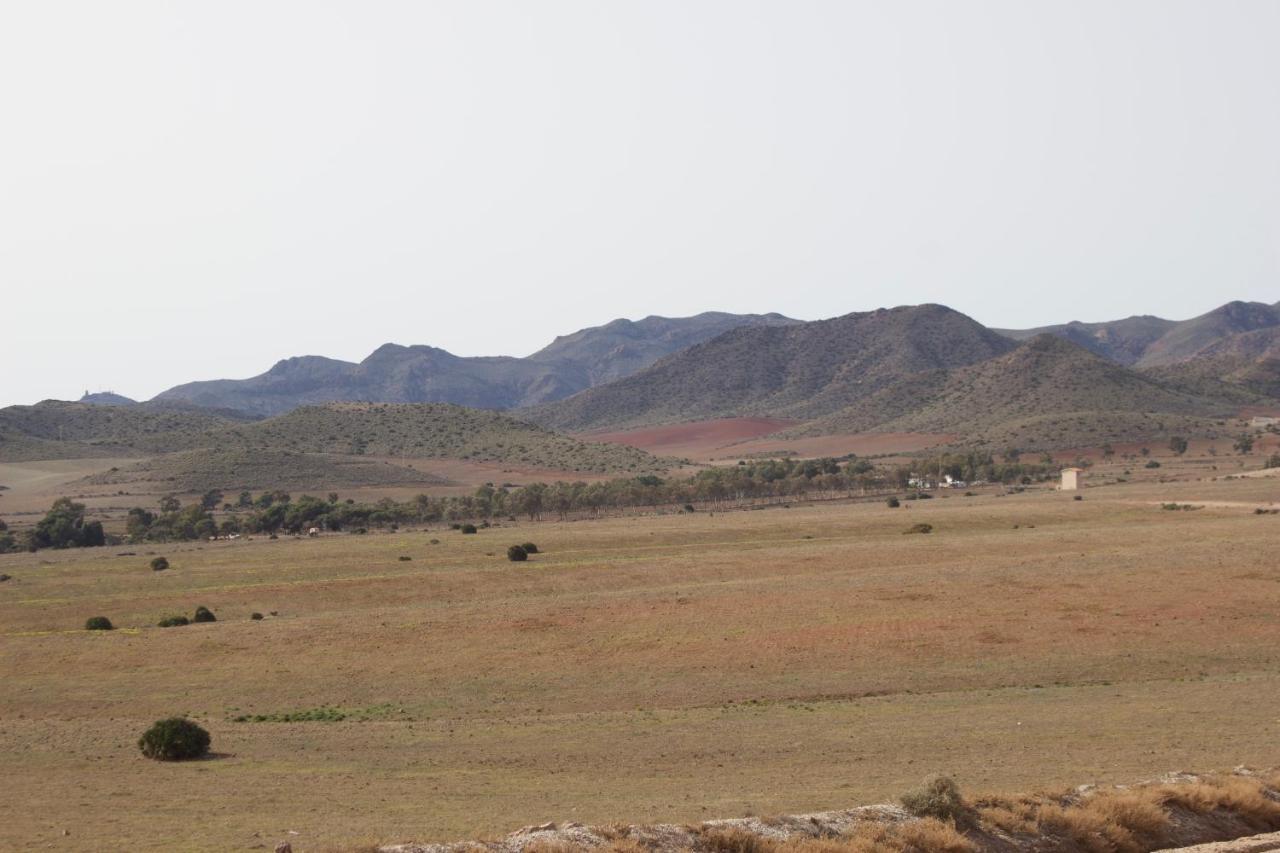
[{"x": 1215, "y": 813}]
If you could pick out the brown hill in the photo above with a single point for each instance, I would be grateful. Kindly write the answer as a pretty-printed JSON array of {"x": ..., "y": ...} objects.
[
  {"x": 55, "y": 429},
  {"x": 430, "y": 431},
  {"x": 1048, "y": 393},
  {"x": 1191, "y": 336},
  {"x": 801, "y": 371},
  {"x": 1250, "y": 360}
]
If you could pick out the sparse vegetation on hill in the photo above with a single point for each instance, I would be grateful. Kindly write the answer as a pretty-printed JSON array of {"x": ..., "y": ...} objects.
[
  {"x": 236, "y": 468},
  {"x": 59, "y": 430},
  {"x": 434, "y": 431}
]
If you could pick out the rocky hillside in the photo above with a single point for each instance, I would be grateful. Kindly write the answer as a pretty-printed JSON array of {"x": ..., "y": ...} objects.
[
  {"x": 1122, "y": 341},
  {"x": 1250, "y": 360},
  {"x": 1047, "y": 393},
  {"x": 1148, "y": 341},
  {"x": 804, "y": 370},
  {"x": 424, "y": 374}
]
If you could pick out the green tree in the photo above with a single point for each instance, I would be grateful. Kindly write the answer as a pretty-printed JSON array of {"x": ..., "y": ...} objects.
[
  {"x": 64, "y": 526},
  {"x": 1178, "y": 444}
]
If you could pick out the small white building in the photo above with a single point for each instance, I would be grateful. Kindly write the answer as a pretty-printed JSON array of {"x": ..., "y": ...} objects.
[{"x": 1071, "y": 479}]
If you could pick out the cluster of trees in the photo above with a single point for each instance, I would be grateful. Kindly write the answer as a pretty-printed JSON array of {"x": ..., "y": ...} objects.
[{"x": 63, "y": 526}]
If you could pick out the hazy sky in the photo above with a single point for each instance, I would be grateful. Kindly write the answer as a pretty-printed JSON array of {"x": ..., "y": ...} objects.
[{"x": 194, "y": 190}]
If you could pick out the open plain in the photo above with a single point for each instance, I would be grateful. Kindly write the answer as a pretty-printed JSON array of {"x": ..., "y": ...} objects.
[{"x": 670, "y": 667}]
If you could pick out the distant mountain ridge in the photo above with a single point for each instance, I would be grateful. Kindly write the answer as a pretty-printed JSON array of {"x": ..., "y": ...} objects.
[
  {"x": 1147, "y": 341},
  {"x": 424, "y": 374}
]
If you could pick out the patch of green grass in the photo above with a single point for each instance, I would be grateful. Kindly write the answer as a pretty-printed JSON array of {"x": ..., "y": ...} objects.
[{"x": 322, "y": 714}]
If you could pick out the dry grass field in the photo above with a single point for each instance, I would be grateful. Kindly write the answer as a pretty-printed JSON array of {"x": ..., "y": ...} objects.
[{"x": 670, "y": 668}]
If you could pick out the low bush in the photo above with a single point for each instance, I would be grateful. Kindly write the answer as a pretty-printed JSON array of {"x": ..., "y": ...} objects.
[
  {"x": 159, "y": 564},
  {"x": 255, "y": 616},
  {"x": 174, "y": 739},
  {"x": 919, "y": 528},
  {"x": 404, "y": 558},
  {"x": 173, "y": 621},
  {"x": 98, "y": 623},
  {"x": 529, "y": 548},
  {"x": 204, "y": 614},
  {"x": 939, "y": 798},
  {"x": 893, "y": 503},
  {"x": 1152, "y": 464},
  {"x": 468, "y": 528},
  {"x": 516, "y": 554}
]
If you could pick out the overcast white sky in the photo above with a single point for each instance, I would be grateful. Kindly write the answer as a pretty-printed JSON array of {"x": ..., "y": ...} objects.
[{"x": 194, "y": 190}]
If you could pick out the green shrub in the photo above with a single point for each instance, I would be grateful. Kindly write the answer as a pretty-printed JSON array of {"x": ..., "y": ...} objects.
[
  {"x": 516, "y": 554},
  {"x": 159, "y": 564},
  {"x": 173, "y": 621},
  {"x": 98, "y": 623},
  {"x": 939, "y": 798},
  {"x": 204, "y": 614},
  {"x": 893, "y": 503},
  {"x": 1152, "y": 464},
  {"x": 405, "y": 559},
  {"x": 174, "y": 739},
  {"x": 468, "y": 528},
  {"x": 919, "y": 528},
  {"x": 255, "y": 616},
  {"x": 530, "y": 548}
]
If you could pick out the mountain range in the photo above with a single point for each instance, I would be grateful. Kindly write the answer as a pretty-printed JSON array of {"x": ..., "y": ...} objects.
[
  {"x": 425, "y": 374},
  {"x": 925, "y": 368}
]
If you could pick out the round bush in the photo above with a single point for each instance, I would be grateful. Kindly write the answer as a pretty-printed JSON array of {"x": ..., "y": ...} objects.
[
  {"x": 204, "y": 614},
  {"x": 516, "y": 554},
  {"x": 174, "y": 739},
  {"x": 893, "y": 503},
  {"x": 159, "y": 564},
  {"x": 468, "y": 528},
  {"x": 98, "y": 623},
  {"x": 255, "y": 616},
  {"x": 530, "y": 548},
  {"x": 173, "y": 621}
]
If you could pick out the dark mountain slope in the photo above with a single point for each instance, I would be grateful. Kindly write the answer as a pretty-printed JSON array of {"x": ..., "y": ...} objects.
[{"x": 803, "y": 370}]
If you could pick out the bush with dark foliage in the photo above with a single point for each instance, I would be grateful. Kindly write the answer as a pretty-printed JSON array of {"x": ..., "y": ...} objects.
[
  {"x": 516, "y": 554},
  {"x": 173, "y": 621},
  {"x": 530, "y": 548},
  {"x": 174, "y": 739},
  {"x": 468, "y": 528},
  {"x": 159, "y": 564},
  {"x": 98, "y": 623},
  {"x": 204, "y": 614}
]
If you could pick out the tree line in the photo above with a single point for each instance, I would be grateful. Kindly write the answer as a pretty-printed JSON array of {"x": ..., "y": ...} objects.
[{"x": 273, "y": 512}]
